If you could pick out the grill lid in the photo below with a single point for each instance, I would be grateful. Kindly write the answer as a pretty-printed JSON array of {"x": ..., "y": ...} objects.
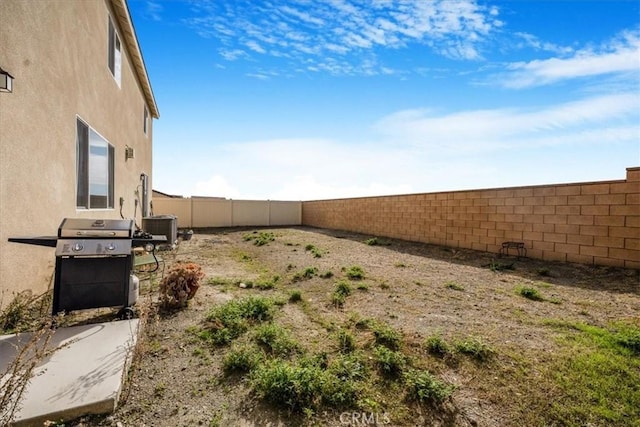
[{"x": 96, "y": 228}]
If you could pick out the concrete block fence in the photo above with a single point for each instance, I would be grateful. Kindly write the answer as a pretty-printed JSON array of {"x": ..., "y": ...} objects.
[{"x": 590, "y": 222}]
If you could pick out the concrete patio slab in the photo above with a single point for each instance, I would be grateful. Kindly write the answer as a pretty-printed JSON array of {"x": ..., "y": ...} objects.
[{"x": 84, "y": 375}]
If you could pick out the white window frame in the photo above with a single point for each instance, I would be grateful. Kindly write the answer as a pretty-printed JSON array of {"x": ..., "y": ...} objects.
[
  {"x": 146, "y": 120},
  {"x": 114, "y": 55},
  {"x": 92, "y": 174}
]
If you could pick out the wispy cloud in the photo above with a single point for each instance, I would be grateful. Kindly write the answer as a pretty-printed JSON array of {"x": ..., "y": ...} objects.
[
  {"x": 611, "y": 118},
  {"x": 153, "y": 10},
  {"x": 621, "y": 55},
  {"x": 341, "y": 31}
]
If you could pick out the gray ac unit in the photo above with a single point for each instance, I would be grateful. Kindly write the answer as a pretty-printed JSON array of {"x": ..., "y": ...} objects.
[{"x": 165, "y": 225}]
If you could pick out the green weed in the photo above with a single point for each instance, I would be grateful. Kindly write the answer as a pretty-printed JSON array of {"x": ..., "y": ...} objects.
[
  {"x": 285, "y": 384},
  {"x": 474, "y": 347},
  {"x": 276, "y": 339},
  {"x": 355, "y": 272},
  {"x": 346, "y": 341},
  {"x": 326, "y": 275},
  {"x": 373, "y": 241},
  {"x": 455, "y": 286},
  {"x": 260, "y": 239},
  {"x": 341, "y": 291},
  {"x": 267, "y": 283},
  {"x": 496, "y": 266},
  {"x": 295, "y": 296},
  {"x": 306, "y": 274},
  {"x": 315, "y": 251},
  {"x": 230, "y": 320},
  {"x": 422, "y": 386},
  {"x": 437, "y": 346},
  {"x": 242, "y": 359},
  {"x": 530, "y": 293},
  {"x": 386, "y": 336},
  {"x": 391, "y": 363}
]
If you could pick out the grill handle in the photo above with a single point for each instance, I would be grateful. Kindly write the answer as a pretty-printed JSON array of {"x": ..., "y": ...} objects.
[{"x": 94, "y": 234}]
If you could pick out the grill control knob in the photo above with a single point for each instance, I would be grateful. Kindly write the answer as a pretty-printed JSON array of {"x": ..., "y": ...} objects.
[
  {"x": 77, "y": 247},
  {"x": 111, "y": 247}
]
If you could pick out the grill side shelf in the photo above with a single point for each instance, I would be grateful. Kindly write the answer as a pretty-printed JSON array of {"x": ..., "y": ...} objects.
[{"x": 49, "y": 241}]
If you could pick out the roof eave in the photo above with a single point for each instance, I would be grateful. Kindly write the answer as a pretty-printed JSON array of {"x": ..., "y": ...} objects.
[{"x": 131, "y": 42}]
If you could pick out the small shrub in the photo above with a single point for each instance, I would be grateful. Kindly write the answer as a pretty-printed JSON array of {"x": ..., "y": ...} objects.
[
  {"x": 399, "y": 265},
  {"x": 180, "y": 284},
  {"x": 386, "y": 336},
  {"x": 24, "y": 312},
  {"x": 343, "y": 287},
  {"x": 422, "y": 387},
  {"x": 305, "y": 274},
  {"x": 350, "y": 366},
  {"x": 346, "y": 341},
  {"x": 267, "y": 283},
  {"x": 355, "y": 272},
  {"x": 275, "y": 339},
  {"x": 373, "y": 241},
  {"x": 455, "y": 286},
  {"x": 436, "y": 345},
  {"x": 260, "y": 239},
  {"x": 362, "y": 287},
  {"x": 295, "y": 296},
  {"x": 391, "y": 363},
  {"x": 341, "y": 291},
  {"x": 242, "y": 359},
  {"x": 498, "y": 266},
  {"x": 326, "y": 275},
  {"x": 530, "y": 293},
  {"x": 336, "y": 392},
  {"x": 338, "y": 299},
  {"x": 475, "y": 348},
  {"x": 282, "y": 383},
  {"x": 315, "y": 251},
  {"x": 229, "y": 321}
]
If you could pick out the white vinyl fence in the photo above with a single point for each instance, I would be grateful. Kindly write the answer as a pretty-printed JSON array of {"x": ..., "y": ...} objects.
[{"x": 201, "y": 212}]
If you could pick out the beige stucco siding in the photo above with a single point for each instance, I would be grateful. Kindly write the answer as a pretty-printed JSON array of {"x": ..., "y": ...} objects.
[{"x": 57, "y": 52}]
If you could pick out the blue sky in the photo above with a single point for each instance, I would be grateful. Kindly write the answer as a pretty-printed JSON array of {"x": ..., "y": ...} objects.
[{"x": 319, "y": 99}]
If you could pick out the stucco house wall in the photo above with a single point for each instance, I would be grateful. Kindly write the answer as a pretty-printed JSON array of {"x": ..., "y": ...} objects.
[{"x": 58, "y": 51}]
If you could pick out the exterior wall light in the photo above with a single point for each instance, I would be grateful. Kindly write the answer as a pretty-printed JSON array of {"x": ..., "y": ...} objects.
[{"x": 6, "y": 81}]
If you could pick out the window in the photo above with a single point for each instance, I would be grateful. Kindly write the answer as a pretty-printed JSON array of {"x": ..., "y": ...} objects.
[
  {"x": 95, "y": 166},
  {"x": 146, "y": 121},
  {"x": 115, "y": 53}
]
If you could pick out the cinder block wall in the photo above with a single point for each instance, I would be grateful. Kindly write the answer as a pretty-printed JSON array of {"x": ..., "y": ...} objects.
[{"x": 589, "y": 223}]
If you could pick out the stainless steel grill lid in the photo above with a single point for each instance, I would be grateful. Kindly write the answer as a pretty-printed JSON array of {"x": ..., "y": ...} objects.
[{"x": 96, "y": 228}]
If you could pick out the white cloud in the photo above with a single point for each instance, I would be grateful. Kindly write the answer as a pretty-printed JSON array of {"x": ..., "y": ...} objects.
[
  {"x": 612, "y": 117},
  {"x": 349, "y": 28},
  {"x": 622, "y": 55},
  {"x": 232, "y": 55},
  {"x": 154, "y": 10},
  {"x": 255, "y": 46}
]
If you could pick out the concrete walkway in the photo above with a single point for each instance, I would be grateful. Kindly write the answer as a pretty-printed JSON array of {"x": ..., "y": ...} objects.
[{"x": 84, "y": 375}]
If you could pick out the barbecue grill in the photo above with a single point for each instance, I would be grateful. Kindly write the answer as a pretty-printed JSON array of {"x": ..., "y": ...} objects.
[{"x": 94, "y": 262}]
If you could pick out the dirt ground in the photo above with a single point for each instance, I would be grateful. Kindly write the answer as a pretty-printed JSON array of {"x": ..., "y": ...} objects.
[{"x": 420, "y": 290}]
